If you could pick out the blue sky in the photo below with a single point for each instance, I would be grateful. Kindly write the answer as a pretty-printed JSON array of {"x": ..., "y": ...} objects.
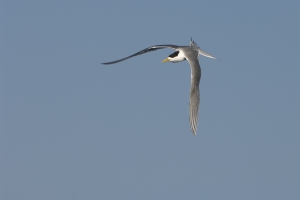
[{"x": 72, "y": 128}]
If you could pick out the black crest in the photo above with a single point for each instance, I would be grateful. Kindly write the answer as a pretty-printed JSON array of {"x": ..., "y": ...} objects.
[{"x": 174, "y": 54}]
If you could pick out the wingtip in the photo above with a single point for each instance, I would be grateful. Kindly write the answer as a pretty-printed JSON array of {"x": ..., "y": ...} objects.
[
  {"x": 194, "y": 130},
  {"x": 105, "y": 63}
]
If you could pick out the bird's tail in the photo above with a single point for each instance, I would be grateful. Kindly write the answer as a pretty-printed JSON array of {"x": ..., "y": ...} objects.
[
  {"x": 193, "y": 43},
  {"x": 203, "y": 53}
]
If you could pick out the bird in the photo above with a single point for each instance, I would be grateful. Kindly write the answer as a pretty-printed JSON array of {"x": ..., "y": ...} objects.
[{"x": 181, "y": 53}]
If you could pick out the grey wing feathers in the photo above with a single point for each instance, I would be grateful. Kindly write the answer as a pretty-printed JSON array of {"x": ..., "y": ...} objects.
[
  {"x": 153, "y": 48},
  {"x": 194, "y": 93}
]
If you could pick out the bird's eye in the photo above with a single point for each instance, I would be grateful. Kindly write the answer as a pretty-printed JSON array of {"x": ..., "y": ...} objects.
[{"x": 174, "y": 54}]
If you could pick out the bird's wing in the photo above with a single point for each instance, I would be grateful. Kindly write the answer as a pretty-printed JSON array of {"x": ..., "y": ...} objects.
[
  {"x": 152, "y": 48},
  {"x": 194, "y": 93}
]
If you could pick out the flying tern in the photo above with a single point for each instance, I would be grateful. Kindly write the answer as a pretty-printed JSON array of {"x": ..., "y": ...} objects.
[{"x": 191, "y": 54}]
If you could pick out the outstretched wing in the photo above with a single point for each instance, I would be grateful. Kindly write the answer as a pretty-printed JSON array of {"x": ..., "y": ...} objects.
[
  {"x": 153, "y": 48},
  {"x": 194, "y": 93}
]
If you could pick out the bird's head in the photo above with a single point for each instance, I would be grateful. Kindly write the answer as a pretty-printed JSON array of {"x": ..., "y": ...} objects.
[{"x": 177, "y": 56}]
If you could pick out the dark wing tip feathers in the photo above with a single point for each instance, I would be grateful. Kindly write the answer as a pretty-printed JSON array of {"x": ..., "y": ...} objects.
[{"x": 152, "y": 48}]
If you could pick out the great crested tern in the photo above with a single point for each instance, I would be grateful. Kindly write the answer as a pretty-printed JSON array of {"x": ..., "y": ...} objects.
[{"x": 191, "y": 54}]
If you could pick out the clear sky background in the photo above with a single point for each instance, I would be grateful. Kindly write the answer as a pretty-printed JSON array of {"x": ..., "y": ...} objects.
[{"x": 72, "y": 128}]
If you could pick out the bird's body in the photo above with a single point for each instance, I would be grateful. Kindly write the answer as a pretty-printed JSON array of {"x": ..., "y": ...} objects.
[{"x": 189, "y": 53}]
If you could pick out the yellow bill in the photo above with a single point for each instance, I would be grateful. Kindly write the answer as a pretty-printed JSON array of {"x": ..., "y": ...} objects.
[{"x": 166, "y": 60}]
